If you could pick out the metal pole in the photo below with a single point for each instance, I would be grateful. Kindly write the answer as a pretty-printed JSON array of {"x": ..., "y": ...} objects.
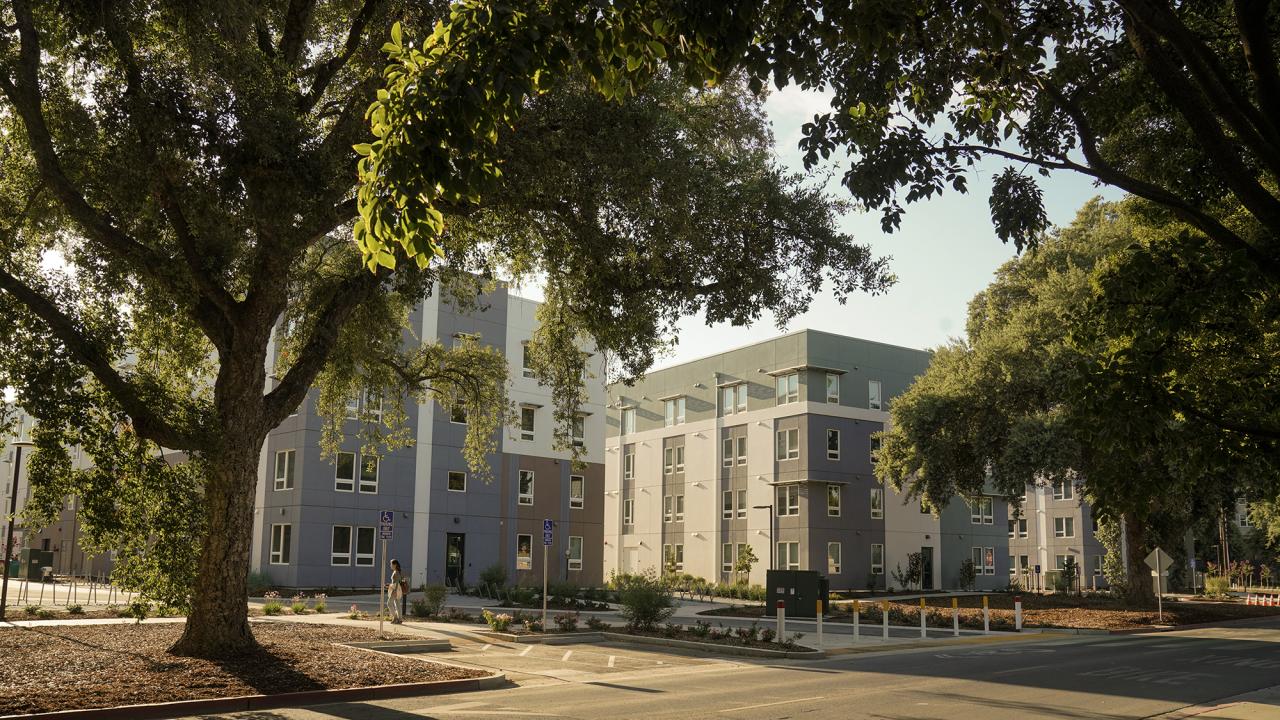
[
  {"x": 382, "y": 585},
  {"x": 1159, "y": 589},
  {"x": 8, "y": 541},
  {"x": 544, "y": 586}
]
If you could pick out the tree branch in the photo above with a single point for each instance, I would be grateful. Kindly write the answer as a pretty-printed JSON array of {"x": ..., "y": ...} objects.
[
  {"x": 1258, "y": 431},
  {"x": 325, "y": 71},
  {"x": 296, "y": 19},
  {"x": 1251, "y": 19},
  {"x": 96, "y": 360}
]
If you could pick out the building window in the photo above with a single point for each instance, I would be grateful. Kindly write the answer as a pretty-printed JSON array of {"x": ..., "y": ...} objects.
[
  {"x": 364, "y": 546},
  {"x": 982, "y": 513},
  {"x": 733, "y": 399},
  {"x": 525, "y": 495},
  {"x": 344, "y": 472},
  {"x": 1013, "y": 569},
  {"x": 984, "y": 560},
  {"x": 788, "y": 388},
  {"x": 668, "y": 508},
  {"x": 284, "y": 470},
  {"x": 577, "y": 491},
  {"x": 742, "y": 503},
  {"x": 373, "y": 405},
  {"x": 679, "y": 508},
  {"x": 579, "y": 431},
  {"x": 673, "y": 558},
  {"x": 726, "y": 511},
  {"x": 726, "y": 558},
  {"x": 877, "y": 503},
  {"x": 668, "y": 460},
  {"x": 369, "y": 474},
  {"x": 726, "y": 452},
  {"x": 629, "y": 464},
  {"x": 341, "y": 548},
  {"x": 281, "y": 544},
  {"x": 679, "y": 458},
  {"x": 833, "y": 388},
  {"x": 875, "y": 449},
  {"x": 788, "y": 500},
  {"x": 1064, "y": 527},
  {"x": 833, "y": 444},
  {"x": 873, "y": 395},
  {"x": 1062, "y": 490},
  {"x": 1060, "y": 562},
  {"x": 457, "y": 481},
  {"x": 742, "y": 450},
  {"x": 674, "y": 411},
  {"x": 526, "y": 367},
  {"x": 458, "y": 413},
  {"x": 524, "y": 552},
  {"x": 877, "y": 559},
  {"x": 1013, "y": 528},
  {"x": 833, "y": 500},
  {"x": 527, "y": 418},
  {"x": 789, "y": 555},
  {"x": 1242, "y": 514},
  {"x": 353, "y": 407},
  {"x": 628, "y": 512},
  {"x": 628, "y": 421},
  {"x": 575, "y": 552},
  {"x": 1097, "y": 565},
  {"x": 789, "y": 444},
  {"x": 833, "y": 557}
]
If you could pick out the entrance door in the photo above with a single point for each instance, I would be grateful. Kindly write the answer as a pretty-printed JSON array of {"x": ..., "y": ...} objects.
[
  {"x": 926, "y": 568},
  {"x": 631, "y": 560},
  {"x": 455, "y": 543}
]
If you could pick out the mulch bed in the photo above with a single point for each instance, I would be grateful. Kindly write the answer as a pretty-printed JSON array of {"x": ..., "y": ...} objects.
[{"x": 65, "y": 667}]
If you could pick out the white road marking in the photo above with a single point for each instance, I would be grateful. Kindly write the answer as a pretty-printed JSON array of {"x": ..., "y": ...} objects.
[
  {"x": 486, "y": 647},
  {"x": 526, "y": 650},
  {"x": 448, "y": 708},
  {"x": 1010, "y": 671},
  {"x": 611, "y": 659},
  {"x": 1156, "y": 677},
  {"x": 567, "y": 653},
  {"x": 771, "y": 704}
]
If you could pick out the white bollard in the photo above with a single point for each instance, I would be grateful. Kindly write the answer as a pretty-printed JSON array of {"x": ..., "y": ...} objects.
[
  {"x": 922, "y": 631},
  {"x": 955, "y": 617},
  {"x": 1017, "y": 613},
  {"x": 819, "y": 624},
  {"x": 884, "y": 617},
  {"x": 782, "y": 619},
  {"x": 856, "y": 613},
  {"x": 986, "y": 617}
]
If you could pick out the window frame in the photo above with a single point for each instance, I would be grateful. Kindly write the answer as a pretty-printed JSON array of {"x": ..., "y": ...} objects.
[
  {"x": 877, "y": 568},
  {"x": 835, "y": 399},
  {"x": 528, "y": 423},
  {"x": 726, "y": 505},
  {"x": 875, "y": 395},
  {"x": 787, "y": 564},
  {"x": 786, "y": 388},
  {"x": 782, "y": 498},
  {"x": 363, "y": 485},
  {"x": 572, "y": 560},
  {"x": 449, "y": 478},
  {"x": 741, "y": 496},
  {"x": 629, "y": 464},
  {"x": 785, "y": 450},
  {"x": 727, "y": 558},
  {"x": 833, "y": 454},
  {"x": 668, "y": 460},
  {"x": 338, "y": 480},
  {"x": 523, "y": 498},
  {"x": 285, "y": 481},
  {"x": 668, "y": 508},
  {"x": 281, "y": 550},
  {"x": 364, "y": 559},
  {"x": 834, "y": 568},
  {"x": 628, "y": 421},
  {"x": 333, "y": 545},
  {"x": 679, "y": 508},
  {"x": 578, "y": 430},
  {"x": 628, "y": 511},
  {"x": 578, "y": 502},
  {"x": 834, "y": 510},
  {"x": 726, "y": 452},
  {"x": 679, "y": 458},
  {"x": 530, "y": 545},
  {"x": 1068, "y": 529},
  {"x": 525, "y": 370},
  {"x": 877, "y": 499}
]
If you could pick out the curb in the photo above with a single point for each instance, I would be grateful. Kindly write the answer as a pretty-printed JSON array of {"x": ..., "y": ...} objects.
[
  {"x": 541, "y": 639},
  {"x": 712, "y": 648},
  {"x": 243, "y": 703}
]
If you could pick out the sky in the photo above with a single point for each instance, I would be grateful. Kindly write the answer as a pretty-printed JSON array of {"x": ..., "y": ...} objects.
[{"x": 943, "y": 254}]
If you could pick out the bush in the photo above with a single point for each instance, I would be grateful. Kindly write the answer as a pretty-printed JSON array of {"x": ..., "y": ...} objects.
[
  {"x": 645, "y": 600},
  {"x": 433, "y": 597},
  {"x": 495, "y": 575},
  {"x": 746, "y": 634},
  {"x": 75, "y": 609},
  {"x": 497, "y": 623},
  {"x": 670, "y": 630},
  {"x": 768, "y": 635},
  {"x": 299, "y": 604},
  {"x": 567, "y": 622},
  {"x": 564, "y": 591},
  {"x": 597, "y": 624},
  {"x": 138, "y": 610},
  {"x": 1217, "y": 586},
  {"x": 533, "y": 625},
  {"x": 322, "y": 602},
  {"x": 33, "y": 610},
  {"x": 701, "y": 629}
]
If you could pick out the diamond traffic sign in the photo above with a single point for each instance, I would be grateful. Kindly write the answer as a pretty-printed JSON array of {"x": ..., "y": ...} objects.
[{"x": 1159, "y": 561}]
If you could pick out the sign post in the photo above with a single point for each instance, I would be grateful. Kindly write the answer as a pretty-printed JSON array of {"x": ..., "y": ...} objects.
[
  {"x": 548, "y": 534},
  {"x": 386, "y": 521},
  {"x": 1159, "y": 562}
]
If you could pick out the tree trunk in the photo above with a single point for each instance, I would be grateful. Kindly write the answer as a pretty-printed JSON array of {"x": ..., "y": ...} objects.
[
  {"x": 218, "y": 623},
  {"x": 1139, "y": 591}
]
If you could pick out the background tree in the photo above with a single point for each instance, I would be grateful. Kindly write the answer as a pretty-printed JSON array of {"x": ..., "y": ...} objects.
[
  {"x": 176, "y": 212},
  {"x": 1033, "y": 396}
]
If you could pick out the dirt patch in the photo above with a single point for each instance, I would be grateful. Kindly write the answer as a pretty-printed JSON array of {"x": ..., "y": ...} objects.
[{"x": 65, "y": 667}]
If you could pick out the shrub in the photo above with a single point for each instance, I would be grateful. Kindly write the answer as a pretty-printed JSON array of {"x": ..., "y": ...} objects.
[
  {"x": 75, "y": 609},
  {"x": 746, "y": 634},
  {"x": 564, "y": 591},
  {"x": 701, "y": 629},
  {"x": 46, "y": 614},
  {"x": 259, "y": 582},
  {"x": 533, "y": 625},
  {"x": 567, "y": 622},
  {"x": 670, "y": 630},
  {"x": 768, "y": 635},
  {"x": 354, "y": 613},
  {"x": 299, "y": 604},
  {"x": 1217, "y": 585},
  {"x": 322, "y": 601},
  {"x": 499, "y": 622},
  {"x": 645, "y": 600},
  {"x": 138, "y": 610},
  {"x": 33, "y": 609},
  {"x": 433, "y": 597},
  {"x": 597, "y": 624},
  {"x": 271, "y": 604},
  {"x": 495, "y": 575}
]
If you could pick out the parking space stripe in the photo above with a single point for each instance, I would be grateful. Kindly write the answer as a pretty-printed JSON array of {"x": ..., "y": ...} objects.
[
  {"x": 526, "y": 650},
  {"x": 567, "y": 653}
]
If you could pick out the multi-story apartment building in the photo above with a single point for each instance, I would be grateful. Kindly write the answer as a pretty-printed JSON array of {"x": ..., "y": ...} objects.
[
  {"x": 1054, "y": 523},
  {"x": 767, "y": 446},
  {"x": 318, "y": 517}
]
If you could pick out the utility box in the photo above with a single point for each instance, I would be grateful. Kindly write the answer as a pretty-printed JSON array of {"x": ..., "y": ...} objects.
[
  {"x": 801, "y": 589},
  {"x": 33, "y": 562}
]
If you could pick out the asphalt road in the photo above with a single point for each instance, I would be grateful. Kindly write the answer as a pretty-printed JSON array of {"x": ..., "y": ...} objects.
[{"x": 1075, "y": 677}]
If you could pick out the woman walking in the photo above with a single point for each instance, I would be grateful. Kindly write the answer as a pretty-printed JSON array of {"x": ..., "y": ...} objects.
[{"x": 395, "y": 591}]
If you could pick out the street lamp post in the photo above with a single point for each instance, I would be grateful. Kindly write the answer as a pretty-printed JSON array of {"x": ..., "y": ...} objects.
[
  {"x": 8, "y": 541},
  {"x": 773, "y": 542}
]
